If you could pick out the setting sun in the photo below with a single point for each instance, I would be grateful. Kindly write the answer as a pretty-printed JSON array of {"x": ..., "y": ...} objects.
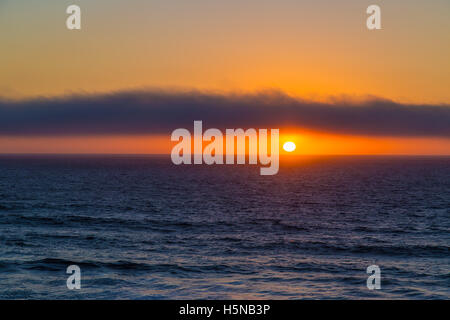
[{"x": 289, "y": 146}]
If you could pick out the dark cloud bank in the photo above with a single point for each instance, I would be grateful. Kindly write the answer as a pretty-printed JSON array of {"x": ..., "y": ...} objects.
[{"x": 147, "y": 112}]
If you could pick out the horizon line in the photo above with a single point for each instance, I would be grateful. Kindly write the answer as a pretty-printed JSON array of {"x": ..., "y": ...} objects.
[{"x": 168, "y": 154}]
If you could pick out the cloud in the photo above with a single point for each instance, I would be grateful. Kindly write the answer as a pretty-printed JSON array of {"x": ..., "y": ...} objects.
[{"x": 160, "y": 112}]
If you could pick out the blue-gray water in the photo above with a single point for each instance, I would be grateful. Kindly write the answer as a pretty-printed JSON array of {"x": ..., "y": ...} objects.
[{"x": 142, "y": 228}]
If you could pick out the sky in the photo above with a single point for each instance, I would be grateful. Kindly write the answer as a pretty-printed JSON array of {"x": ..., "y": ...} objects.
[{"x": 349, "y": 90}]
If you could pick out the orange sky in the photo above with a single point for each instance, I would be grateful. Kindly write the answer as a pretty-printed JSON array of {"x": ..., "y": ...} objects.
[
  {"x": 307, "y": 144},
  {"x": 305, "y": 48}
]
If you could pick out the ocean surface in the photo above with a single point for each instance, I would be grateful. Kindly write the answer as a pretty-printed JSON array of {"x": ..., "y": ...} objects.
[{"x": 140, "y": 227}]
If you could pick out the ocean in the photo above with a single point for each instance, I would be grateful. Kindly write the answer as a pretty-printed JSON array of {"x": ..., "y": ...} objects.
[{"x": 140, "y": 227}]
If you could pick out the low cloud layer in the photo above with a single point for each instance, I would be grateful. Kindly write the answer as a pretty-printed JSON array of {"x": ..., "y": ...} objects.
[{"x": 153, "y": 112}]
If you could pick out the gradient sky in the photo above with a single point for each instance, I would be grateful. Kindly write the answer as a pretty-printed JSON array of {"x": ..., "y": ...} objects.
[{"x": 308, "y": 49}]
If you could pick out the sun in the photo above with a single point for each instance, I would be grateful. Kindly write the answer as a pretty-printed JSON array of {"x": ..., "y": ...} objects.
[{"x": 289, "y": 146}]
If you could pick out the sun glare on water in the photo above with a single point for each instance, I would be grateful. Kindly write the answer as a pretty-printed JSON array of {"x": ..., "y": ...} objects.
[{"x": 289, "y": 146}]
